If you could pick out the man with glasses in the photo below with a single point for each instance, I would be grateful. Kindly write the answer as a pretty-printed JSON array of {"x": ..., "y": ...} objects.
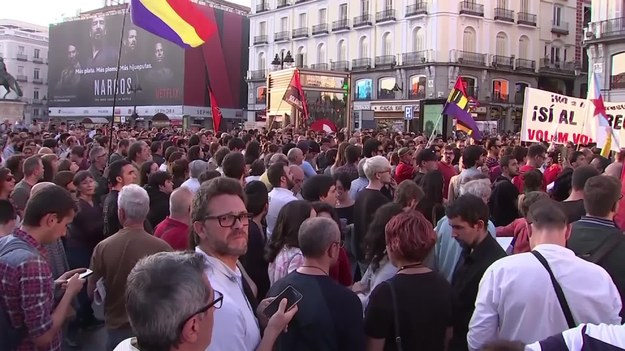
[
  {"x": 447, "y": 168},
  {"x": 178, "y": 313},
  {"x": 220, "y": 233},
  {"x": 98, "y": 157}
]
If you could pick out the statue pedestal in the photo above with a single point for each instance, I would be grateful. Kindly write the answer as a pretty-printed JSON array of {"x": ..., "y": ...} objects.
[{"x": 13, "y": 110}]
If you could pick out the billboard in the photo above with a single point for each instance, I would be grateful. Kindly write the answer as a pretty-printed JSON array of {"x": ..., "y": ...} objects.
[{"x": 83, "y": 61}]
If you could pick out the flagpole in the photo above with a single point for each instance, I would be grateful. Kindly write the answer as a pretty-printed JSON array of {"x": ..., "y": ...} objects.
[
  {"x": 431, "y": 139},
  {"x": 119, "y": 58}
]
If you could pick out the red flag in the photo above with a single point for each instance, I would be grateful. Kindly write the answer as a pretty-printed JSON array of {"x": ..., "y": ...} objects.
[
  {"x": 294, "y": 95},
  {"x": 215, "y": 110}
]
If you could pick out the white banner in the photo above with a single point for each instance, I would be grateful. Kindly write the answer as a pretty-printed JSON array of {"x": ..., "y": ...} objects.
[{"x": 559, "y": 118}]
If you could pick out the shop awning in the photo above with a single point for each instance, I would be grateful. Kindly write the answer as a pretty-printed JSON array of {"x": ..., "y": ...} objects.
[{"x": 95, "y": 120}]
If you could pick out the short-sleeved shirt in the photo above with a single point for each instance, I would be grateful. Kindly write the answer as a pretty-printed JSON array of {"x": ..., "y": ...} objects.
[
  {"x": 21, "y": 194},
  {"x": 27, "y": 293},
  {"x": 113, "y": 259}
]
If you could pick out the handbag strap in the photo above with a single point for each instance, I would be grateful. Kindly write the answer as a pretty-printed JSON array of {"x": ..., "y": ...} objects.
[
  {"x": 395, "y": 315},
  {"x": 558, "y": 289}
]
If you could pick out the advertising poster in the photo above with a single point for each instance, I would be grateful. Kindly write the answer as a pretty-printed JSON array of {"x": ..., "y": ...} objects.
[
  {"x": 83, "y": 60},
  {"x": 432, "y": 115}
]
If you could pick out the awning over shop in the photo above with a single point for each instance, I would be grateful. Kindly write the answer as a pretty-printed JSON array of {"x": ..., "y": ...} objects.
[{"x": 95, "y": 120}]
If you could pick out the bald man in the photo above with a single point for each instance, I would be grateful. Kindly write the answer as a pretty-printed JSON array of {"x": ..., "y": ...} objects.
[{"x": 175, "y": 228}]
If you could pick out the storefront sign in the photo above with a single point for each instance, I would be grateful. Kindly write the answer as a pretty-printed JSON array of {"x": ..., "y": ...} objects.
[
  {"x": 358, "y": 106},
  {"x": 388, "y": 108}
]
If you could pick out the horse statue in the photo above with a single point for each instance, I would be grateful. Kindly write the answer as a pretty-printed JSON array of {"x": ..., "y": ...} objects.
[{"x": 8, "y": 82}]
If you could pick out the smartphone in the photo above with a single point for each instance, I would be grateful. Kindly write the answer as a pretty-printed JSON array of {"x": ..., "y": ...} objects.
[
  {"x": 84, "y": 275},
  {"x": 292, "y": 297}
]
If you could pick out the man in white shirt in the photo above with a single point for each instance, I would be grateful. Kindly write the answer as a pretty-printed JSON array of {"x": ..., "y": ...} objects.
[
  {"x": 196, "y": 168},
  {"x": 220, "y": 226},
  {"x": 280, "y": 178},
  {"x": 517, "y": 300}
]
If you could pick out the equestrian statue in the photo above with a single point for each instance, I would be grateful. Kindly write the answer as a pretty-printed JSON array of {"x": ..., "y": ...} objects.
[{"x": 7, "y": 81}]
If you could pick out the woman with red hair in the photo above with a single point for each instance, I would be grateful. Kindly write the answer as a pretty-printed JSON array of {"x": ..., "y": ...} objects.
[{"x": 412, "y": 310}]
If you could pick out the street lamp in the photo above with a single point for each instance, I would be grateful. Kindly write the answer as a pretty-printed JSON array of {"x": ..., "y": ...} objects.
[
  {"x": 279, "y": 61},
  {"x": 134, "y": 90}
]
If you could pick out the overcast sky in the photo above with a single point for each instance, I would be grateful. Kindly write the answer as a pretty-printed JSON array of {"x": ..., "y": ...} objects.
[{"x": 44, "y": 12}]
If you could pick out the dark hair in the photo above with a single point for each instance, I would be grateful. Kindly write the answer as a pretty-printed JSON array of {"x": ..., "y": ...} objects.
[
  {"x": 252, "y": 150},
  {"x": 63, "y": 178},
  {"x": 39, "y": 205},
  {"x": 370, "y": 147},
  {"x": 603, "y": 163},
  {"x": 275, "y": 172},
  {"x": 408, "y": 191},
  {"x": 48, "y": 169},
  {"x": 233, "y": 165},
  {"x": 208, "y": 175},
  {"x": 135, "y": 149},
  {"x": 80, "y": 177},
  {"x": 322, "y": 207},
  {"x": 179, "y": 171},
  {"x": 536, "y": 150},
  {"x": 257, "y": 197},
  {"x": 504, "y": 161},
  {"x": 519, "y": 152},
  {"x": 194, "y": 153},
  {"x": 194, "y": 140},
  {"x": 290, "y": 218},
  {"x": 257, "y": 168},
  {"x": 317, "y": 186},
  {"x": 115, "y": 170},
  {"x": 490, "y": 143},
  {"x": 546, "y": 214},
  {"x": 157, "y": 179},
  {"x": 236, "y": 143},
  {"x": 352, "y": 152},
  {"x": 220, "y": 155},
  {"x": 574, "y": 156},
  {"x": 532, "y": 180},
  {"x": 155, "y": 146},
  {"x": 601, "y": 194},
  {"x": 432, "y": 202},
  {"x": 170, "y": 150},
  {"x": 50, "y": 143},
  {"x": 581, "y": 175},
  {"x": 344, "y": 178},
  {"x": 14, "y": 164},
  {"x": 123, "y": 143},
  {"x": 471, "y": 155},
  {"x": 145, "y": 170},
  {"x": 469, "y": 208},
  {"x": 331, "y": 156},
  {"x": 78, "y": 151},
  {"x": 374, "y": 242},
  {"x": 7, "y": 212}
]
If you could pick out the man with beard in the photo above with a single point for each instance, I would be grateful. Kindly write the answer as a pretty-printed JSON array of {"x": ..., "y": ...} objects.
[
  {"x": 281, "y": 179},
  {"x": 160, "y": 72},
  {"x": 70, "y": 79},
  {"x": 130, "y": 47},
  {"x": 220, "y": 227},
  {"x": 101, "y": 55}
]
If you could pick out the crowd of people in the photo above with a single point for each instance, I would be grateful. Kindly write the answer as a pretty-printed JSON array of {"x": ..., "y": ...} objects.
[{"x": 178, "y": 240}]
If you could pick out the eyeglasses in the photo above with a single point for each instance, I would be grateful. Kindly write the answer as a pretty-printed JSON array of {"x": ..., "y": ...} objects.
[
  {"x": 228, "y": 220},
  {"x": 218, "y": 299}
]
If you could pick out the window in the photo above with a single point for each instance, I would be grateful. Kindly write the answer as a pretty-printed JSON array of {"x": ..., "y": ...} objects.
[
  {"x": 500, "y": 90},
  {"x": 364, "y": 88},
  {"x": 617, "y": 78},
  {"x": 501, "y": 44},
  {"x": 555, "y": 54},
  {"x": 468, "y": 39},
  {"x": 35, "y": 112},
  {"x": 417, "y": 87},
  {"x": 364, "y": 7},
  {"x": 557, "y": 15},
  {"x": 36, "y": 73},
  {"x": 502, "y": 4},
  {"x": 387, "y": 44},
  {"x": 343, "y": 12},
  {"x": 262, "y": 28},
  {"x": 470, "y": 86},
  {"x": 519, "y": 92},
  {"x": 363, "y": 51},
  {"x": 20, "y": 50},
  {"x": 36, "y": 94},
  {"x": 418, "y": 39},
  {"x": 20, "y": 70},
  {"x": 261, "y": 95},
  {"x": 385, "y": 88},
  {"x": 321, "y": 53},
  {"x": 323, "y": 16},
  {"x": 284, "y": 24},
  {"x": 37, "y": 53},
  {"x": 341, "y": 51},
  {"x": 524, "y": 47},
  {"x": 262, "y": 63},
  {"x": 300, "y": 58},
  {"x": 302, "y": 20},
  {"x": 388, "y": 5},
  {"x": 525, "y": 6}
]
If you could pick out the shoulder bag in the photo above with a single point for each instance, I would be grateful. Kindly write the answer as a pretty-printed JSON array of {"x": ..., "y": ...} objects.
[
  {"x": 558, "y": 289},
  {"x": 395, "y": 315}
]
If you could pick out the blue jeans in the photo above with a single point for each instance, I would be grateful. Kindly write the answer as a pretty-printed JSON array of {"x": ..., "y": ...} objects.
[{"x": 115, "y": 336}]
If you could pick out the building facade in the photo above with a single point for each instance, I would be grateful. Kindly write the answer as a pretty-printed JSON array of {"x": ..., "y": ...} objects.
[
  {"x": 604, "y": 39},
  {"x": 24, "y": 48},
  {"x": 402, "y": 51}
]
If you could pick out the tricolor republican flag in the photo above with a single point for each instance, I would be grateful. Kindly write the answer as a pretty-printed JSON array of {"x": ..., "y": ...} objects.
[{"x": 606, "y": 138}]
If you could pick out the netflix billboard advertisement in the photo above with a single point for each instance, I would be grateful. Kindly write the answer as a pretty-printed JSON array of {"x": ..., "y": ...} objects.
[{"x": 83, "y": 65}]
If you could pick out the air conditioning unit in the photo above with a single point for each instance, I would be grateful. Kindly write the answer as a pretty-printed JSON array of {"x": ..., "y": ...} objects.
[{"x": 423, "y": 60}]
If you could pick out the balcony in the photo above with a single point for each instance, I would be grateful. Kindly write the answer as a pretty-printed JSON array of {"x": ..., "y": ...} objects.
[
  {"x": 504, "y": 15},
  {"x": 300, "y": 33},
  {"x": 21, "y": 57},
  {"x": 385, "y": 60},
  {"x": 502, "y": 62},
  {"x": 385, "y": 16},
  {"x": 319, "y": 66},
  {"x": 300, "y": 1},
  {"x": 560, "y": 27},
  {"x": 361, "y": 63},
  {"x": 611, "y": 28},
  {"x": 37, "y": 102},
  {"x": 525, "y": 18},
  {"x": 363, "y": 20},
  {"x": 21, "y": 78},
  {"x": 525, "y": 65},
  {"x": 414, "y": 58},
  {"x": 258, "y": 74},
  {"x": 339, "y": 66},
  {"x": 556, "y": 66},
  {"x": 342, "y": 24},
  {"x": 419, "y": 8},
  {"x": 281, "y": 36},
  {"x": 262, "y": 7},
  {"x": 261, "y": 39},
  {"x": 320, "y": 29},
  {"x": 37, "y": 81},
  {"x": 37, "y": 60},
  {"x": 470, "y": 58},
  {"x": 500, "y": 98},
  {"x": 282, "y": 3},
  {"x": 469, "y": 7}
]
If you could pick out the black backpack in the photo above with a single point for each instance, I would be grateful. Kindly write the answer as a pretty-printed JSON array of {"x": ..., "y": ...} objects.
[{"x": 11, "y": 337}]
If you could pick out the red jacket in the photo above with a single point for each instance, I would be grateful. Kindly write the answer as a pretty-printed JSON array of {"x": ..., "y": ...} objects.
[
  {"x": 518, "y": 180},
  {"x": 173, "y": 232},
  {"x": 340, "y": 272},
  {"x": 403, "y": 172},
  {"x": 518, "y": 230},
  {"x": 448, "y": 171}
]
